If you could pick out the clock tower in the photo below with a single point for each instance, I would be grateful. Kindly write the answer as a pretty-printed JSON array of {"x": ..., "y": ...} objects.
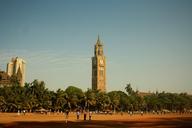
[{"x": 98, "y": 68}]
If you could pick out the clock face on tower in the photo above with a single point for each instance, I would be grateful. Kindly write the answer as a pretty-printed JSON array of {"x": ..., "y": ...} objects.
[{"x": 101, "y": 61}]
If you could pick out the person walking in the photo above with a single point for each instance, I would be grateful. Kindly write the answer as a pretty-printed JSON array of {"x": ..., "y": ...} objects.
[
  {"x": 78, "y": 114},
  {"x": 66, "y": 116},
  {"x": 90, "y": 114}
]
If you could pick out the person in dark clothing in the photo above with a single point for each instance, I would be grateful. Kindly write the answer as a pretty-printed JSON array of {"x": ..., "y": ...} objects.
[
  {"x": 67, "y": 114},
  {"x": 85, "y": 115}
]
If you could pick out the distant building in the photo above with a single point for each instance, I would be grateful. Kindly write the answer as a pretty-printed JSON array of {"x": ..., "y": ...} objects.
[
  {"x": 99, "y": 68},
  {"x": 17, "y": 67},
  {"x": 5, "y": 79},
  {"x": 143, "y": 94}
]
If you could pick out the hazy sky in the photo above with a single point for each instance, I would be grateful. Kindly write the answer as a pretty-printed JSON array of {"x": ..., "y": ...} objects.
[{"x": 147, "y": 43}]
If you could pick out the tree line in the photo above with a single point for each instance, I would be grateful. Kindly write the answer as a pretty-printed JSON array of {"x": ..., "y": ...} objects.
[{"x": 34, "y": 96}]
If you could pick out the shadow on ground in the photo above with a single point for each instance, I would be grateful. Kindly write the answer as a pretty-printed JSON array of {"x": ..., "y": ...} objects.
[{"x": 163, "y": 122}]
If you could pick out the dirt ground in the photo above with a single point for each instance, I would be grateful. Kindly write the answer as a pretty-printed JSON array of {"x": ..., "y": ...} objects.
[{"x": 32, "y": 120}]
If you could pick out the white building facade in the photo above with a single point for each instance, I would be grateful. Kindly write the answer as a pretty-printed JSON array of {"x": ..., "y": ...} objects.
[{"x": 17, "y": 67}]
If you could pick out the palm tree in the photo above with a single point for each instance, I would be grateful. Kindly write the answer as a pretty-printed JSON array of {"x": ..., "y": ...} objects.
[
  {"x": 129, "y": 89},
  {"x": 60, "y": 100}
]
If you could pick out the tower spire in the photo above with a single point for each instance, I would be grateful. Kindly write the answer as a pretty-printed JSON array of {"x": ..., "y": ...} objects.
[
  {"x": 98, "y": 40},
  {"x": 98, "y": 37}
]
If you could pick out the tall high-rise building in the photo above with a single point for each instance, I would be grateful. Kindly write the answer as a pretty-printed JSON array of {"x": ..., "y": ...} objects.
[
  {"x": 17, "y": 67},
  {"x": 99, "y": 68}
]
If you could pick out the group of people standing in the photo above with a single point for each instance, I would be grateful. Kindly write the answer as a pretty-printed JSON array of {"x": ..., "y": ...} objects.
[
  {"x": 78, "y": 113},
  {"x": 84, "y": 115}
]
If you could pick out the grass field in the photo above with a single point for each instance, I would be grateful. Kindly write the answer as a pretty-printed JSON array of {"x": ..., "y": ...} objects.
[{"x": 32, "y": 120}]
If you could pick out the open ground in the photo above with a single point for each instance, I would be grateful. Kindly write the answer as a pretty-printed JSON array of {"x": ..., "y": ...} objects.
[{"x": 33, "y": 120}]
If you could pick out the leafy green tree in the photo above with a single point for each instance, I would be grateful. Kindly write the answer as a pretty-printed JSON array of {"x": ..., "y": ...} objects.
[
  {"x": 115, "y": 99},
  {"x": 14, "y": 80},
  {"x": 124, "y": 101},
  {"x": 102, "y": 101},
  {"x": 90, "y": 99},
  {"x": 75, "y": 97}
]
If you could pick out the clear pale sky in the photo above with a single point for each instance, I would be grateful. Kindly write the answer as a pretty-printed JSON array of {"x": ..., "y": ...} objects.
[{"x": 147, "y": 43}]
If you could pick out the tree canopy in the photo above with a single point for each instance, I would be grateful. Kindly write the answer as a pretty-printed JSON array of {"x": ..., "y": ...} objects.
[{"x": 34, "y": 96}]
